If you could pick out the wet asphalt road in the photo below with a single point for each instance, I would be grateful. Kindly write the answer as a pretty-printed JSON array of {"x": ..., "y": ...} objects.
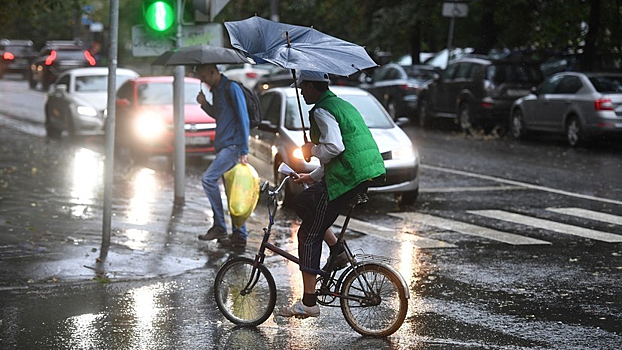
[{"x": 510, "y": 246}]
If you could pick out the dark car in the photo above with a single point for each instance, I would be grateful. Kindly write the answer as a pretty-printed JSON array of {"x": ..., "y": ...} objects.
[
  {"x": 579, "y": 105},
  {"x": 15, "y": 56},
  {"x": 397, "y": 86},
  {"x": 56, "y": 57},
  {"x": 477, "y": 92}
]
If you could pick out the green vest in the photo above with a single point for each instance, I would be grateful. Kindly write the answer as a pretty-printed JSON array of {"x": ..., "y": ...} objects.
[{"x": 361, "y": 159}]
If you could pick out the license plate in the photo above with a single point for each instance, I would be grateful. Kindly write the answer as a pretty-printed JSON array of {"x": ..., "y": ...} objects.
[
  {"x": 515, "y": 93},
  {"x": 198, "y": 140}
]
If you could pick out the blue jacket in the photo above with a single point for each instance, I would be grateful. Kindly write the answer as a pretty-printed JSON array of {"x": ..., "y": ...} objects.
[{"x": 232, "y": 121}]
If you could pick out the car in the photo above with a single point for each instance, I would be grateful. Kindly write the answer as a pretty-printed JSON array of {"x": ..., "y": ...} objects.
[
  {"x": 15, "y": 56},
  {"x": 276, "y": 77},
  {"x": 77, "y": 101},
  {"x": 56, "y": 57},
  {"x": 144, "y": 118},
  {"x": 396, "y": 87},
  {"x": 279, "y": 137},
  {"x": 476, "y": 92},
  {"x": 247, "y": 74},
  {"x": 579, "y": 105}
]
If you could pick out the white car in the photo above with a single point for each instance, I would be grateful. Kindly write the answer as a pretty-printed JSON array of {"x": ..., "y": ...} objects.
[
  {"x": 77, "y": 101},
  {"x": 247, "y": 73},
  {"x": 279, "y": 137}
]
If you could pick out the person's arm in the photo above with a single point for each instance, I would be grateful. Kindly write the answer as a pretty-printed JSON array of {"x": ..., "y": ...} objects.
[
  {"x": 205, "y": 106},
  {"x": 330, "y": 143},
  {"x": 239, "y": 106}
]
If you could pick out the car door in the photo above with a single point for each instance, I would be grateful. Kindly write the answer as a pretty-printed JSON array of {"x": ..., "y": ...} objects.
[
  {"x": 375, "y": 86},
  {"x": 454, "y": 88},
  {"x": 562, "y": 102},
  {"x": 537, "y": 111},
  {"x": 438, "y": 93}
]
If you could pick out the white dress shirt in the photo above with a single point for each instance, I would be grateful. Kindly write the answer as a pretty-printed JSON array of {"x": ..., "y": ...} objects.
[{"x": 331, "y": 143}]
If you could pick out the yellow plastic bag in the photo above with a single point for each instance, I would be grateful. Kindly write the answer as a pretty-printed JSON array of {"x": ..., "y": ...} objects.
[{"x": 242, "y": 187}]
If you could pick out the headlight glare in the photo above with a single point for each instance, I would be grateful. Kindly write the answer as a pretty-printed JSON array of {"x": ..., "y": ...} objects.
[
  {"x": 87, "y": 111},
  {"x": 403, "y": 152},
  {"x": 149, "y": 126}
]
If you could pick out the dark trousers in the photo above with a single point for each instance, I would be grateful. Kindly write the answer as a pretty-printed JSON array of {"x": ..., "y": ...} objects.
[{"x": 318, "y": 214}]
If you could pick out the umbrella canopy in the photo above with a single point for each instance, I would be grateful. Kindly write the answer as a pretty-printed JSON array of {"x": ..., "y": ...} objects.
[
  {"x": 296, "y": 47},
  {"x": 201, "y": 54}
]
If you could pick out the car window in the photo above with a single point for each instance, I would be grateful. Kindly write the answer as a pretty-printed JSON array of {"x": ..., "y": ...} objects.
[
  {"x": 18, "y": 49},
  {"x": 549, "y": 86},
  {"x": 125, "y": 91},
  {"x": 98, "y": 83},
  {"x": 569, "y": 85},
  {"x": 392, "y": 73},
  {"x": 607, "y": 84},
  {"x": 71, "y": 54},
  {"x": 463, "y": 70},
  {"x": 449, "y": 72},
  {"x": 271, "y": 108},
  {"x": 64, "y": 80},
  {"x": 379, "y": 74},
  {"x": 371, "y": 110},
  {"x": 500, "y": 73}
]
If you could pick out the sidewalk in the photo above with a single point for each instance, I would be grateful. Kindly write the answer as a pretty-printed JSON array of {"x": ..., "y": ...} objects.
[{"x": 51, "y": 197}]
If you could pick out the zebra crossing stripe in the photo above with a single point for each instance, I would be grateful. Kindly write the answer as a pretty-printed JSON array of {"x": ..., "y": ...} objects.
[
  {"x": 549, "y": 225},
  {"x": 469, "y": 229},
  {"x": 391, "y": 234},
  {"x": 588, "y": 214}
]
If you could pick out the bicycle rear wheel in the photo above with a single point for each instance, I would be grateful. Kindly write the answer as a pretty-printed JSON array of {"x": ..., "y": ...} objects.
[
  {"x": 244, "y": 297},
  {"x": 373, "y": 300}
]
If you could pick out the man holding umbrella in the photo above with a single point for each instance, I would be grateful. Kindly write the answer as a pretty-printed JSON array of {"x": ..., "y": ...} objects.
[
  {"x": 231, "y": 146},
  {"x": 349, "y": 162}
]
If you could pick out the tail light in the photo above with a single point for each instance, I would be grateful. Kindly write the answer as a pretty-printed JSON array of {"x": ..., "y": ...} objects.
[
  {"x": 89, "y": 58},
  {"x": 603, "y": 104},
  {"x": 50, "y": 59},
  {"x": 251, "y": 75},
  {"x": 409, "y": 87},
  {"x": 8, "y": 56}
]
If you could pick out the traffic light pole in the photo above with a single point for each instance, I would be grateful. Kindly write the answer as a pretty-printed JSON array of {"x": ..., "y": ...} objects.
[{"x": 179, "y": 155}]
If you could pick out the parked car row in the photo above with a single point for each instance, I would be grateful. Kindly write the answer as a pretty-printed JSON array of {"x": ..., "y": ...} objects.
[{"x": 15, "y": 56}]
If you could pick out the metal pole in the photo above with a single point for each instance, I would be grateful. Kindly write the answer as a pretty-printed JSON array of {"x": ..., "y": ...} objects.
[
  {"x": 110, "y": 128},
  {"x": 452, "y": 23},
  {"x": 179, "y": 155},
  {"x": 274, "y": 10}
]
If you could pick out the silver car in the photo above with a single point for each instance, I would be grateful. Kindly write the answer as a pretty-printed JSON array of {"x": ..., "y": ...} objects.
[
  {"x": 77, "y": 101},
  {"x": 579, "y": 105},
  {"x": 279, "y": 138}
]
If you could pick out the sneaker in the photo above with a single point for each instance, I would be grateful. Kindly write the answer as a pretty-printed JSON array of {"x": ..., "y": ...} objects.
[
  {"x": 341, "y": 261},
  {"x": 299, "y": 310},
  {"x": 233, "y": 241},
  {"x": 213, "y": 233}
]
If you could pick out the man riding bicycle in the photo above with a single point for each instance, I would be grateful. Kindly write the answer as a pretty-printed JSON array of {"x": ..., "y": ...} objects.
[{"x": 349, "y": 161}]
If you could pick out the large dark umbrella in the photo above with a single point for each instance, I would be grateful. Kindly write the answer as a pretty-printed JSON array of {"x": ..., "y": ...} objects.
[
  {"x": 296, "y": 47},
  {"x": 201, "y": 54}
]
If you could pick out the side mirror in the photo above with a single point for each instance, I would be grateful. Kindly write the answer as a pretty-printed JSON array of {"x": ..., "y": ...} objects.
[
  {"x": 534, "y": 90},
  {"x": 62, "y": 88},
  {"x": 123, "y": 102},
  {"x": 402, "y": 121}
]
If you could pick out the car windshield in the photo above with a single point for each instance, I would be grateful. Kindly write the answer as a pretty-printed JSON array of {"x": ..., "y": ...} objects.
[
  {"x": 70, "y": 54},
  {"x": 607, "y": 84},
  {"x": 419, "y": 73},
  {"x": 98, "y": 83},
  {"x": 18, "y": 49},
  {"x": 162, "y": 93},
  {"x": 373, "y": 114},
  {"x": 500, "y": 73}
]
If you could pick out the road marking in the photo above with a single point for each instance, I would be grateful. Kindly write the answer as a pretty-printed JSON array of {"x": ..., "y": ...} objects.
[
  {"x": 549, "y": 225},
  {"x": 469, "y": 189},
  {"x": 391, "y": 234},
  {"x": 521, "y": 184},
  {"x": 469, "y": 229},
  {"x": 588, "y": 214}
]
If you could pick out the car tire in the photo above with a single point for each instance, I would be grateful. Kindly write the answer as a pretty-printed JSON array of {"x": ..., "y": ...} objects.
[
  {"x": 51, "y": 131},
  {"x": 517, "y": 125},
  {"x": 465, "y": 118},
  {"x": 406, "y": 198},
  {"x": 423, "y": 112},
  {"x": 574, "y": 132}
]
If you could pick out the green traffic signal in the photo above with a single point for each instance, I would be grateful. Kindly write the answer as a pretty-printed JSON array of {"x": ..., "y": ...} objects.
[{"x": 159, "y": 15}]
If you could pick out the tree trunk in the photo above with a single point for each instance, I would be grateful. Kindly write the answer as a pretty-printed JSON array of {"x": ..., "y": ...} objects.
[
  {"x": 415, "y": 43},
  {"x": 592, "y": 36},
  {"x": 488, "y": 36}
]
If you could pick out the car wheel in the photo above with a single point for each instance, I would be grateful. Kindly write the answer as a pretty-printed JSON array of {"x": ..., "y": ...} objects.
[
  {"x": 423, "y": 113},
  {"x": 465, "y": 118},
  {"x": 574, "y": 133},
  {"x": 51, "y": 131},
  {"x": 392, "y": 110},
  {"x": 406, "y": 198},
  {"x": 517, "y": 127}
]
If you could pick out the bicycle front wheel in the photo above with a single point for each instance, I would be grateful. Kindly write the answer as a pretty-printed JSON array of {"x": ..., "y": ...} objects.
[
  {"x": 245, "y": 295},
  {"x": 373, "y": 300}
]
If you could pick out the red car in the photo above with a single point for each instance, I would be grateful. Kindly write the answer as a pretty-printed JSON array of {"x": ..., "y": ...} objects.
[{"x": 144, "y": 117}]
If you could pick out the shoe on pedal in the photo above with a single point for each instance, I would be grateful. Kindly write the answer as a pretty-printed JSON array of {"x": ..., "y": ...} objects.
[
  {"x": 299, "y": 310},
  {"x": 214, "y": 233}
]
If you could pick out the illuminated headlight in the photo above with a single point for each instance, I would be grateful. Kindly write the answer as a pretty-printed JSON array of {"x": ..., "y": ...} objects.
[
  {"x": 87, "y": 111},
  {"x": 149, "y": 126},
  {"x": 298, "y": 153},
  {"x": 403, "y": 153}
]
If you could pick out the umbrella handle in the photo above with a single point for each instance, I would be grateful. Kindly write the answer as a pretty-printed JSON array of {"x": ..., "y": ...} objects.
[{"x": 302, "y": 121}]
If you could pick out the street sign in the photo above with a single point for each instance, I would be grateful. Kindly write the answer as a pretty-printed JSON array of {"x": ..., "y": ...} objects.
[
  {"x": 144, "y": 44},
  {"x": 455, "y": 9}
]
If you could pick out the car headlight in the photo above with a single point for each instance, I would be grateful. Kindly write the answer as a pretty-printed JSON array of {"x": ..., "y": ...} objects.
[
  {"x": 298, "y": 153},
  {"x": 87, "y": 111},
  {"x": 406, "y": 152},
  {"x": 149, "y": 126}
]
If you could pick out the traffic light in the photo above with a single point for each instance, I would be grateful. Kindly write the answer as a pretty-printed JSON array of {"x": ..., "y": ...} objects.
[{"x": 159, "y": 15}]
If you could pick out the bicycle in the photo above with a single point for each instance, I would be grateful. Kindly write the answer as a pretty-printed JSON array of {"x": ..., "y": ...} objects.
[{"x": 372, "y": 295}]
